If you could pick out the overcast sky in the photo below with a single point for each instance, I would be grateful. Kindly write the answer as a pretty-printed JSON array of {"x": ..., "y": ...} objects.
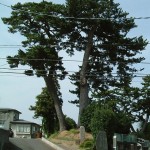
[{"x": 19, "y": 91}]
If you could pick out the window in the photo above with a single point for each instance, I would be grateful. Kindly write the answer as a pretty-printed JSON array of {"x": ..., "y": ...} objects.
[
  {"x": 2, "y": 123},
  {"x": 3, "y": 116},
  {"x": 16, "y": 116},
  {"x": 23, "y": 128}
]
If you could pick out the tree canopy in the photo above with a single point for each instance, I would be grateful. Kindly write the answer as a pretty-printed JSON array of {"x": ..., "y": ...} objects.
[
  {"x": 101, "y": 30},
  {"x": 44, "y": 108},
  {"x": 42, "y": 32}
]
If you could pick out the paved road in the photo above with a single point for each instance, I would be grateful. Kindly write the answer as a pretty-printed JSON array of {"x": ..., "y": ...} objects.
[{"x": 28, "y": 144}]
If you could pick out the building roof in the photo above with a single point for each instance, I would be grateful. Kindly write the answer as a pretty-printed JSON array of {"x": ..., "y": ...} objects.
[
  {"x": 21, "y": 121},
  {"x": 8, "y": 110}
]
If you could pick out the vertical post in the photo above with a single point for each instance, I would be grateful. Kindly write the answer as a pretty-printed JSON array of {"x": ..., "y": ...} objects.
[
  {"x": 114, "y": 142},
  {"x": 82, "y": 134},
  {"x": 132, "y": 146}
]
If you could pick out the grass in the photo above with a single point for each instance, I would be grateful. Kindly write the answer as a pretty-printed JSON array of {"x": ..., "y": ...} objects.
[
  {"x": 70, "y": 139},
  {"x": 54, "y": 135},
  {"x": 87, "y": 145},
  {"x": 74, "y": 131}
]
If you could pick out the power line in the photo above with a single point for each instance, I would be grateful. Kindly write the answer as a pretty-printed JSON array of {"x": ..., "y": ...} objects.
[
  {"x": 11, "y": 75},
  {"x": 9, "y": 45},
  {"x": 68, "y": 71},
  {"x": 59, "y": 46},
  {"x": 76, "y": 18},
  {"x": 5, "y": 5},
  {"x": 38, "y": 59},
  {"x": 63, "y": 60},
  {"x": 32, "y": 74}
]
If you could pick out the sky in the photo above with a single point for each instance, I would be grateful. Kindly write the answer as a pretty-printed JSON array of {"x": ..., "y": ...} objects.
[{"x": 19, "y": 91}]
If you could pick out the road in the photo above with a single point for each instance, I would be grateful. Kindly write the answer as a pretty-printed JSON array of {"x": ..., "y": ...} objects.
[{"x": 28, "y": 144}]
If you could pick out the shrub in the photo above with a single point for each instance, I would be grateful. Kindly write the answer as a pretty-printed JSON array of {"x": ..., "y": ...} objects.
[
  {"x": 70, "y": 123},
  {"x": 74, "y": 131},
  {"x": 87, "y": 144},
  {"x": 87, "y": 115}
]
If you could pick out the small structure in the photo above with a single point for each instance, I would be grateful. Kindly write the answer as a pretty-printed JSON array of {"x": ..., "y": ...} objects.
[
  {"x": 124, "y": 141},
  {"x": 129, "y": 142},
  {"x": 9, "y": 119}
]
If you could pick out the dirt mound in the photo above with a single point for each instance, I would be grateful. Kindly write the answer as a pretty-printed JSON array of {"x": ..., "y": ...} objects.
[{"x": 69, "y": 140}]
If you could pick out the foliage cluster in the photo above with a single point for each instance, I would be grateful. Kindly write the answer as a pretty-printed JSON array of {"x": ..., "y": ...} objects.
[
  {"x": 70, "y": 123},
  {"x": 87, "y": 145},
  {"x": 118, "y": 110},
  {"x": 44, "y": 108}
]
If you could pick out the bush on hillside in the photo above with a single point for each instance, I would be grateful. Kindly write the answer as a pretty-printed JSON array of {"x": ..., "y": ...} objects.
[
  {"x": 70, "y": 123},
  {"x": 87, "y": 115}
]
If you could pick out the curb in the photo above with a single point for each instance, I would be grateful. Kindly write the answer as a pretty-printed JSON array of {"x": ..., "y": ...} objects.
[{"x": 52, "y": 144}]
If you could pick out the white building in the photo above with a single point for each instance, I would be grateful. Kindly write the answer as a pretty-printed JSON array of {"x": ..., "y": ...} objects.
[
  {"x": 6, "y": 116},
  {"x": 25, "y": 129},
  {"x": 9, "y": 118}
]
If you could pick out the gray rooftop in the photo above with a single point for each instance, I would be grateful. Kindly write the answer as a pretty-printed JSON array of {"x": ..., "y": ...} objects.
[
  {"x": 21, "y": 121},
  {"x": 8, "y": 110}
]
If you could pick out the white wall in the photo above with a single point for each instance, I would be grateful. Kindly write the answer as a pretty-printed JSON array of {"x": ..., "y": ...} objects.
[
  {"x": 21, "y": 130},
  {"x": 7, "y": 118}
]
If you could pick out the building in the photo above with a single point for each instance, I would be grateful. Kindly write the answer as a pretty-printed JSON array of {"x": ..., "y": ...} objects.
[
  {"x": 9, "y": 119},
  {"x": 6, "y": 116},
  {"x": 25, "y": 129}
]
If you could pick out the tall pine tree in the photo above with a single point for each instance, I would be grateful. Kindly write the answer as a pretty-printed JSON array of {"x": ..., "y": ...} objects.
[
  {"x": 42, "y": 28},
  {"x": 101, "y": 30}
]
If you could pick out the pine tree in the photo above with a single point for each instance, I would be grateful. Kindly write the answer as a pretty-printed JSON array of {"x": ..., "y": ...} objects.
[{"x": 101, "y": 30}]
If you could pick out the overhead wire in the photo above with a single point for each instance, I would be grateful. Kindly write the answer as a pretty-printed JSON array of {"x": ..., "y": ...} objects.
[
  {"x": 34, "y": 77},
  {"x": 58, "y": 46},
  {"x": 31, "y": 74},
  {"x": 12, "y": 46},
  {"x": 63, "y": 60},
  {"x": 77, "y": 18},
  {"x": 68, "y": 71}
]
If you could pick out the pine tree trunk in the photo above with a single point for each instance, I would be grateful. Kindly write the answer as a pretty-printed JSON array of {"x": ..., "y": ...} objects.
[
  {"x": 84, "y": 99},
  {"x": 51, "y": 86}
]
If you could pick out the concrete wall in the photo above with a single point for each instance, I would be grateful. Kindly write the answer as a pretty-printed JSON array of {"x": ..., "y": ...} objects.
[
  {"x": 7, "y": 117},
  {"x": 4, "y": 137}
]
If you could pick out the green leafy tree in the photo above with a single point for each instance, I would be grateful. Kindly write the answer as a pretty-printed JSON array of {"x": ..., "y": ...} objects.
[
  {"x": 132, "y": 103},
  {"x": 70, "y": 123},
  {"x": 109, "y": 121},
  {"x": 87, "y": 116},
  {"x": 142, "y": 105},
  {"x": 100, "y": 116},
  {"x": 101, "y": 32},
  {"x": 117, "y": 110},
  {"x": 42, "y": 28},
  {"x": 122, "y": 101},
  {"x": 44, "y": 107}
]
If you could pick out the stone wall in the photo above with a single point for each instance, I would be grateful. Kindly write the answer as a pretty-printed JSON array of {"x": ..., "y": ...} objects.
[{"x": 4, "y": 137}]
